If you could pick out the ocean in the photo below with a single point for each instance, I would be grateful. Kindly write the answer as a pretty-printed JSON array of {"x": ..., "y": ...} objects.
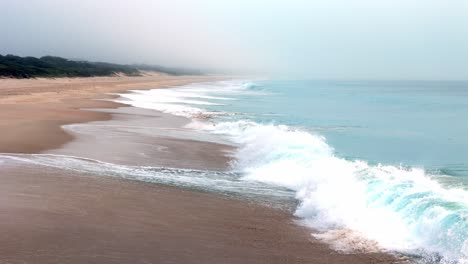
[
  {"x": 369, "y": 166},
  {"x": 373, "y": 165}
]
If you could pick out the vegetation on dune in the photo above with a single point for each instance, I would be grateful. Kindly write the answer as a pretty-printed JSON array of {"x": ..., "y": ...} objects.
[{"x": 50, "y": 66}]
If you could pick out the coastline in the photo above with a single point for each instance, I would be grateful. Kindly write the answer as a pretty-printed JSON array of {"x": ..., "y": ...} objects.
[
  {"x": 32, "y": 111},
  {"x": 109, "y": 220}
]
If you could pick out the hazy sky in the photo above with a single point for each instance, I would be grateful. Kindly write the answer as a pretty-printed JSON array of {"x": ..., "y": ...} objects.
[{"x": 377, "y": 39}]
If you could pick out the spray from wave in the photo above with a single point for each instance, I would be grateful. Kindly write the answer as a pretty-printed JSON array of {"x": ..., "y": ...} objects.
[{"x": 353, "y": 204}]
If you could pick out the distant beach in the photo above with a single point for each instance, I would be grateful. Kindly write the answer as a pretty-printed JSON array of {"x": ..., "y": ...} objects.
[
  {"x": 32, "y": 110},
  {"x": 54, "y": 210}
]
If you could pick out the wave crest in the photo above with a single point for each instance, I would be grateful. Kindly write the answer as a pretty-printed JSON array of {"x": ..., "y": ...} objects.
[{"x": 401, "y": 209}]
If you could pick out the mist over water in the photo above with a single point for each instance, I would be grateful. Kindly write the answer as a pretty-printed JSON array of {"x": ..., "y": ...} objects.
[{"x": 357, "y": 39}]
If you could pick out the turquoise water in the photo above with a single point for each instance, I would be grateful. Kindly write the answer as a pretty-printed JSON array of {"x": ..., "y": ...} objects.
[
  {"x": 412, "y": 123},
  {"x": 374, "y": 165}
]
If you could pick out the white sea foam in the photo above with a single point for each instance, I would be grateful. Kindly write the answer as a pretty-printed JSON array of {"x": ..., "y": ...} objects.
[
  {"x": 184, "y": 101},
  {"x": 401, "y": 209},
  {"x": 224, "y": 182},
  {"x": 392, "y": 208}
]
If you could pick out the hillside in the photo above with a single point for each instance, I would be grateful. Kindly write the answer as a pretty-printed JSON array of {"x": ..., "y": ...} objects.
[{"x": 50, "y": 66}]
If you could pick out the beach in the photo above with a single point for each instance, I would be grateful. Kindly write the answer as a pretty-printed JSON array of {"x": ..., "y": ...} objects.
[
  {"x": 53, "y": 215},
  {"x": 32, "y": 110}
]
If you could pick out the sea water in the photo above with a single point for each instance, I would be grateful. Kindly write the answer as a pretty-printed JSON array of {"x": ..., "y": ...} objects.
[
  {"x": 368, "y": 165},
  {"x": 374, "y": 165}
]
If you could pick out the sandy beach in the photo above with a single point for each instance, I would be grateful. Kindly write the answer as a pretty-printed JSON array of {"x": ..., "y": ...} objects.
[
  {"x": 50, "y": 215},
  {"x": 33, "y": 110}
]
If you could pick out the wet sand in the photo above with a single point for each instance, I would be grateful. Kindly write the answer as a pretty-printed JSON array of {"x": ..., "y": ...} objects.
[
  {"x": 55, "y": 216},
  {"x": 141, "y": 137},
  {"x": 52, "y": 216}
]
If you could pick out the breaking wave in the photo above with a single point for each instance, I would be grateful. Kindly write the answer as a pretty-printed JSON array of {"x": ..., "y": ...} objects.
[{"x": 352, "y": 204}]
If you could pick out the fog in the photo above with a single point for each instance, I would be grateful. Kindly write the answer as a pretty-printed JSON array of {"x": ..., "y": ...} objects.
[{"x": 353, "y": 39}]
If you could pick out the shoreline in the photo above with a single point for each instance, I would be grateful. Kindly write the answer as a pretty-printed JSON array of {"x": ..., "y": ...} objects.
[
  {"x": 79, "y": 218},
  {"x": 143, "y": 137},
  {"x": 32, "y": 112},
  {"x": 112, "y": 220}
]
